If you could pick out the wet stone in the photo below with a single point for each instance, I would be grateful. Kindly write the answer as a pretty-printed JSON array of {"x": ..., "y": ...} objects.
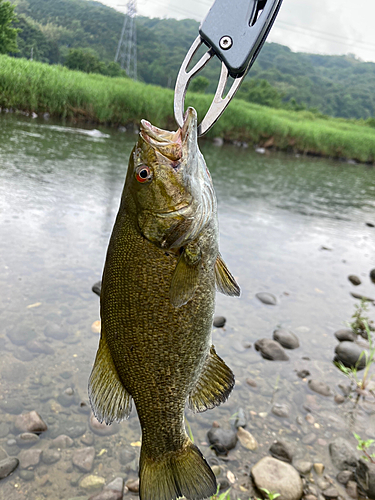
[
  {"x": 365, "y": 474},
  {"x": 14, "y": 372},
  {"x": 84, "y": 408},
  {"x": 20, "y": 336},
  {"x": 30, "y": 422},
  {"x": 303, "y": 466},
  {"x": 354, "y": 280},
  {"x": 281, "y": 451},
  {"x": 270, "y": 349},
  {"x": 352, "y": 489},
  {"x": 222, "y": 440},
  {"x": 3, "y": 454},
  {"x": 55, "y": 331},
  {"x": 23, "y": 355},
  {"x": 11, "y": 406},
  {"x": 103, "y": 429},
  {"x": 343, "y": 455},
  {"x": 75, "y": 430},
  {"x": 84, "y": 458},
  {"x": 345, "y": 334},
  {"x": 281, "y": 410},
  {"x": 240, "y": 420},
  {"x": 286, "y": 338},
  {"x": 107, "y": 495},
  {"x": 339, "y": 399},
  {"x": 133, "y": 485},
  {"x": 320, "y": 387},
  {"x": 266, "y": 298},
  {"x": 219, "y": 321},
  {"x": 92, "y": 483},
  {"x": 38, "y": 347},
  {"x": 344, "y": 476},
  {"x": 303, "y": 373},
  {"x": 318, "y": 468},
  {"x": 246, "y": 439},
  {"x": 50, "y": 456},
  {"x": 27, "y": 439},
  {"x": 126, "y": 456},
  {"x": 281, "y": 477},
  {"x": 88, "y": 439},
  {"x": 117, "y": 484},
  {"x": 97, "y": 288},
  {"x": 349, "y": 354},
  {"x": 65, "y": 375},
  {"x": 62, "y": 442},
  {"x": 29, "y": 458},
  {"x": 7, "y": 466},
  {"x": 323, "y": 483},
  {"x": 309, "y": 438},
  {"x": 4, "y": 429},
  {"x": 372, "y": 275},
  {"x": 27, "y": 475},
  {"x": 330, "y": 493}
]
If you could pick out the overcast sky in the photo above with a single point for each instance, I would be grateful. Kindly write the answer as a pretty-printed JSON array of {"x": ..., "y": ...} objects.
[{"x": 318, "y": 26}]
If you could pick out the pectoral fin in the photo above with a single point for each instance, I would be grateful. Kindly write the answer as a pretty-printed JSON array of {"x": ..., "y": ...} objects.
[
  {"x": 214, "y": 385},
  {"x": 225, "y": 282},
  {"x": 109, "y": 400},
  {"x": 185, "y": 278}
]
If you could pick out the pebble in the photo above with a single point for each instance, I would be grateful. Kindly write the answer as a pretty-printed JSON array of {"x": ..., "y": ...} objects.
[
  {"x": 309, "y": 438},
  {"x": 62, "y": 442},
  {"x": 320, "y": 387},
  {"x": 266, "y": 298},
  {"x": 246, "y": 439},
  {"x": 251, "y": 382},
  {"x": 29, "y": 458},
  {"x": 14, "y": 372},
  {"x": 286, "y": 338},
  {"x": 343, "y": 454},
  {"x": 55, "y": 331},
  {"x": 75, "y": 430},
  {"x": 270, "y": 349},
  {"x": 88, "y": 439},
  {"x": 219, "y": 321},
  {"x": 4, "y": 429},
  {"x": 372, "y": 275},
  {"x": 281, "y": 410},
  {"x": 352, "y": 489},
  {"x": 303, "y": 466},
  {"x": 50, "y": 456},
  {"x": 30, "y": 422},
  {"x": 339, "y": 399},
  {"x": 97, "y": 287},
  {"x": 107, "y": 495},
  {"x": 222, "y": 440},
  {"x": 84, "y": 458},
  {"x": 7, "y": 466},
  {"x": 365, "y": 476},
  {"x": 96, "y": 326},
  {"x": 281, "y": 451},
  {"x": 277, "y": 476},
  {"x": 133, "y": 485},
  {"x": 310, "y": 418},
  {"x": 21, "y": 337},
  {"x": 349, "y": 354},
  {"x": 303, "y": 373},
  {"x": 331, "y": 493},
  {"x": 322, "y": 483},
  {"x": 117, "y": 485},
  {"x": 126, "y": 456},
  {"x": 92, "y": 483},
  {"x": 102, "y": 429},
  {"x": 218, "y": 141},
  {"x": 345, "y": 334},
  {"x": 27, "y": 439},
  {"x": 240, "y": 420},
  {"x": 216, "y": 469},
  {"x": 38, "y": 347},
  {"x": 11, "y": 406},
  {"x": 354, "y": 279},
  {"x": 27, "y": 475},
  {"x": 344, "y": 476}
]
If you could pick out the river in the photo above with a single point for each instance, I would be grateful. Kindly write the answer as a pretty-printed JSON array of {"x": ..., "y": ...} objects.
[{"x": 294, "y": 227}]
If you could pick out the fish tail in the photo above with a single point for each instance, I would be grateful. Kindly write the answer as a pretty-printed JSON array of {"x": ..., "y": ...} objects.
[{"x": 182, "y": 473}]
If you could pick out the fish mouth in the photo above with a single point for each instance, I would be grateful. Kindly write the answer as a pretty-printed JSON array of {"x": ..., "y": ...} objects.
[{"x": 171, "y": 144}]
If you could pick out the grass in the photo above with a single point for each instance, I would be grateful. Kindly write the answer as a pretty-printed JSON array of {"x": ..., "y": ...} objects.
[{"x": 37, "y": 87}]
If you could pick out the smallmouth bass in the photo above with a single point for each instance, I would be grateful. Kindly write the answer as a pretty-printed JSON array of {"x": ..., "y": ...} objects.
[{"x": 157, "y": 304}]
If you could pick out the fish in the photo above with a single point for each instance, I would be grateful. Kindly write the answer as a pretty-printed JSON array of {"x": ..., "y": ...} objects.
[{"x": 160, "y": 277}]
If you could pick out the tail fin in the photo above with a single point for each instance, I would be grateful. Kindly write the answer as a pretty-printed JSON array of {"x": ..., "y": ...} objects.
[{"x": 184, "y": 473}]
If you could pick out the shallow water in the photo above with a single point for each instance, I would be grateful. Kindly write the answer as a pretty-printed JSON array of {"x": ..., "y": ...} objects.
[{"x": 293, "y": 227}]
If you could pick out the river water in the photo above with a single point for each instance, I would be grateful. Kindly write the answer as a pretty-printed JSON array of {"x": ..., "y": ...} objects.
[{"x": 291, "y": 226}]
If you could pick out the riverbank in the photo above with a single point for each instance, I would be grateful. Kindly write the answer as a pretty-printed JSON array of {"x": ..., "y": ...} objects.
[{"x": 41, "y": 88}]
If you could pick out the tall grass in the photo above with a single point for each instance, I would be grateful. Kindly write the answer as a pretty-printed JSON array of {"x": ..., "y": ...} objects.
[{"x": 37, "y": 87}]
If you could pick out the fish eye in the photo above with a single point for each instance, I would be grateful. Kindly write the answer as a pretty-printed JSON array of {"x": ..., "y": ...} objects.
[{"x": 143, "y": 173}]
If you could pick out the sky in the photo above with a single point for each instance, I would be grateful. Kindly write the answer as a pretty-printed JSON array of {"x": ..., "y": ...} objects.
[{"x": 316, "y": 26}]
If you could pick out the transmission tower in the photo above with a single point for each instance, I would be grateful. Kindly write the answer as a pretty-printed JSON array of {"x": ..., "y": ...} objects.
[{"x": 126, "y": 53}]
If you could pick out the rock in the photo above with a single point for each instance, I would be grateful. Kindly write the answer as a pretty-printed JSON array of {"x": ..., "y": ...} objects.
[
  {"x": 339, "y": 399},
  {"x": 344, "y": 476},
  {"x": 107, "y": 495},
  {"x": 350, "y": 355},
  {"x": 88, "y": 439},
  {"x": 277, "y": 476},
  {"x": 4, "y": 429},
  {"x": 246, "y": 439},
  {"x": 346, "y": 389},
  {"x": 133, "y": 485},
  {"x": 30, "y": 422},
  {"x": 323, "y": 483},
  {"x": 84, "y": 458},
  {"x": 240, "y": 420},
  {"x": 66, "y": 399},
  {"x": 96, "y": 326},
  {"x": 62, "y": 442},
  {"x": 266, "y": 298},
  {"x": 117, "y": 485},
  {"x": 270, "y": 349},
  {"x": 303, "y": 373},
  {"x": 126, "y": 456},
  {"x": 280, "y": 410},
  {"x": 102, "y": 429},
  {"x": 97, "y": 287},
  {"x": 219, "y": 321},
  {"x": 281, "y": 451},
  {"x": 222, "y": 440},
  {"x": 27, "y": 475},
  {"x": 354, "y": 279},
  {"x": 38, "y": 347},
  {"x": 342, "y": 454},
  {"x": 11, "y": 406},
  {"x": 352, "y": 489},
  {"x": 361, "y": 297},
  {"x": 20, "y": 336},
  {"x": 260, "y": 151},
  {"x": 29, "y": 458},
  {"x": 365, "y": 473},
  {"x": 7, "y": 466},
  {"x": 92, "y": 483},
  {"x": 330, "y": 493},
  {"x": 27, "y": 439},
  {"x": 372, "y": 275},
  {"x": 309, "y": 438},
  {"x": 216, "y": 469},
  {"x": 303, "y": 466},
  {"x": 251, "y": 382},
  {"x": 50, "y": 456},
  {"x": 14, "y": 372},
  {"x": 345, "y": 334},
  {"x": 74, "y": 430},
  {"x": 370, "y": 224},
  {"x": 218, "y": 141},
  {"x": 55, "y": 332},
  {"x": 286, "y": 338},
  {"x": 319, "y": 468},
  {"x": 319, "y": 387}
]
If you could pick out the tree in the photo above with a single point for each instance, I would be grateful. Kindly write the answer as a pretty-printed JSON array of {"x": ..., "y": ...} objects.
[
  {"x": 199, "y": 84},
  {"x": 8, "y": 34},
  {"x": 84, "y": 60}
]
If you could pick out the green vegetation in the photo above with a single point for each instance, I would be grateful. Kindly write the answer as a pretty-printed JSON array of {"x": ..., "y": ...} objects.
[
  {"x": 223, "y": 496},
  {"x": 364, "y": 446},
  {"x": 8, "y": 34},
  {"x": 37, "y": 87},
  {"x": 271, "y": 495},
  {"x": 340, "y": 86},
  {"x": 87, "y": 61}
]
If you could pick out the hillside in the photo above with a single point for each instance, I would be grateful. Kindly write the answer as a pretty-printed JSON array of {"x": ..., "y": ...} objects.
[{"x": 339, "y": 86}]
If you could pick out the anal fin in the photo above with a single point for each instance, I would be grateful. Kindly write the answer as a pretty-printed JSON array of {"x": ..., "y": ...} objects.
[
  {"x": 109, "y": 399},
  {"x": 225, "y": 282},
  {"x": 214, "y": 385}
]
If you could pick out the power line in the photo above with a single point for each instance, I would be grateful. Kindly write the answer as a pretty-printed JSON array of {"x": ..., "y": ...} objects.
[{"x": 127, "y": 46}]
